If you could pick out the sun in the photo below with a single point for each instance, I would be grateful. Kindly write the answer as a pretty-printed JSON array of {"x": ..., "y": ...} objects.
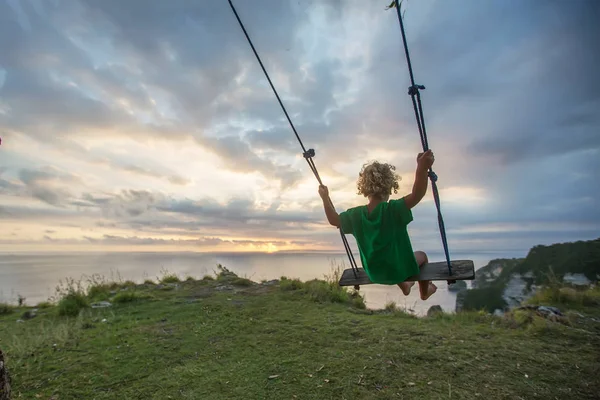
[{"x": 271, "y": 248}]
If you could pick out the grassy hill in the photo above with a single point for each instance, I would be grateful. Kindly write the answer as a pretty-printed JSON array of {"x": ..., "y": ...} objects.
[
  {"x": 226, "y": 337},
  {"x": 544, "y": 265}
]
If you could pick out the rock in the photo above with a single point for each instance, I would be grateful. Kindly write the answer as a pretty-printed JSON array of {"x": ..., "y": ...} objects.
[
  {"x": 548, "y": 312},
  {"x": 498, "y": 312},
  {"x": 4, "y": 379},
  {"x": 29, "y": 314},
  {"x": 577, "y": 279},
  {"x": 433, "y": 310},
  {"x": 224, "y": 287},
  {"x": 271, "y": 282},
  {"x": 101, "y": 304}
]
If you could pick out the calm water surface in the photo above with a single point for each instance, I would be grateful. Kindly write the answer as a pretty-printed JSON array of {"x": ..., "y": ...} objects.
[{"x": 36, "y": 276}]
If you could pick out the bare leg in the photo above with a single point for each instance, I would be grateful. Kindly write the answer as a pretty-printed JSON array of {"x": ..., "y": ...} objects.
[
  {"x": 426, "y": 288},
  {"x": 406, "y": 286}
]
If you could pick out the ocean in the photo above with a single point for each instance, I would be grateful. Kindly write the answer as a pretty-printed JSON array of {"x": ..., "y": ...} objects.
[{"x": 35, "y": 276}]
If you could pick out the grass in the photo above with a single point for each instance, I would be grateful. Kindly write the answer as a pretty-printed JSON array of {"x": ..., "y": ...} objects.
[
  {"x": 6, "y": 309},
  {"x": 242, "y": 282},
  {"x": 567, "y": 296},
  {"x": 290, "y": 284},
  {"x": 72, "y": 304},
  {"x": 171, "y": 278},
  {"x": 127, "y": 297},
  {"x": 295, "y": 340},
  {"x": 100, "y": 292},
  {"x": 322, "y": 291}
]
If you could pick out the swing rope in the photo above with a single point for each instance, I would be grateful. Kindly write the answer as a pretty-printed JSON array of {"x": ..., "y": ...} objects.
[
  {"x": 415, "y": 95},
  {"x": 308, "y": 154}
]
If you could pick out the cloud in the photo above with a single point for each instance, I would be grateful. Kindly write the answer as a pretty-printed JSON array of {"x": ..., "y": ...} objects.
[
  {"x": 130, "y": 122},
  {"x": 174, "y": 179}
]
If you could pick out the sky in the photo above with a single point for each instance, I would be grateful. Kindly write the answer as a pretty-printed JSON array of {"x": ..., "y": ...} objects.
[{"x": 149, "y": 125}]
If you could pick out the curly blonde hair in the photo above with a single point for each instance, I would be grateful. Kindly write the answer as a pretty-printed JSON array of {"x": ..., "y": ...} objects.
[{"x": 377, "y": 179}]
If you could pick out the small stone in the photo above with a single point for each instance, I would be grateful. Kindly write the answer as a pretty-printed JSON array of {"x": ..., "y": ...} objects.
[
  {"x": 101, "y": 304},
  {"x": 28, "y": 315},
  {"x": 273, "y": 376},
  {"x": 433, "y": 310}
]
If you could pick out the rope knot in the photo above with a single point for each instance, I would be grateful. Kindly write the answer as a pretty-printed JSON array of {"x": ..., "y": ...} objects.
[
  {"x": 414, "y": 89},
  {"x": 310, "y": 153},
  {"x": 433, "y": 176}
]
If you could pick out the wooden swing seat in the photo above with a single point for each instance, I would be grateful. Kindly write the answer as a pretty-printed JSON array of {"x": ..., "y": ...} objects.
[{"x": 462, "y": 270}]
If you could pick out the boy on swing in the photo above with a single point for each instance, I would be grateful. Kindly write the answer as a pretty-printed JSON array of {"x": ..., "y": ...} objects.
[{"x": 380, "y": 226}]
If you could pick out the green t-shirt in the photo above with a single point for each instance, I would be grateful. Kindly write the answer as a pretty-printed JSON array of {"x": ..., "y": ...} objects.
[{"x": 382, "y": 237}]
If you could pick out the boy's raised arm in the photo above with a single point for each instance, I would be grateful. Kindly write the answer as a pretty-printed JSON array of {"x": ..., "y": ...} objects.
[
  {"x": 424, "y": 162},
  {"x": 332, "y": 215}
]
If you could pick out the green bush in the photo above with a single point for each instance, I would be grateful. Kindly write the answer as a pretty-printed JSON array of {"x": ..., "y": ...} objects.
[
  {"x": 6, "y": 309},
  {"x": 208, "y": 278},
  {"x": 71, "y": 304},
  {"x": 358, "y": 302},
  {"x": 322, "y": 291},
  {"x": 224, "y": 273},
  {"x": 99, "y": 292},
  {"x": 43, "y": 304},
  {"x": 127, "y": 296},
  {"x": 242, "y": 282},
  {"x": 170, "y": 278},
  {"x": 149, "y": 282},
  {"x": 390, "y": 306},
  {"x": 566, "y": 296},
  {"x": 286, "y": 284}
]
